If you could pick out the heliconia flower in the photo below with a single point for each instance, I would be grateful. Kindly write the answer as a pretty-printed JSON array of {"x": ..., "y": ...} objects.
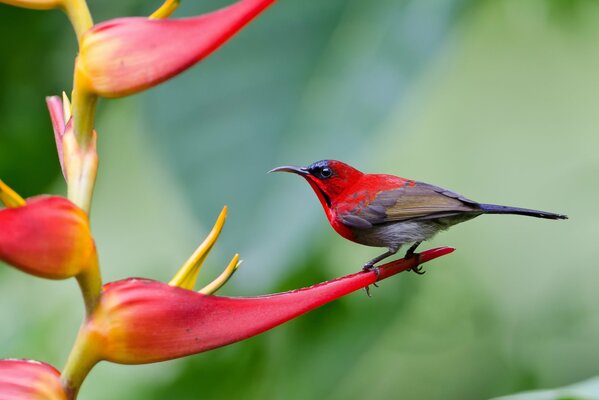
[
  {"x": 31, "y": 380},
  {"x": 143, "y": 321},
  {"x": 126, "y": 55},
  {"x": 34, "y": 4},
  {"x": 48, "y": 237}
]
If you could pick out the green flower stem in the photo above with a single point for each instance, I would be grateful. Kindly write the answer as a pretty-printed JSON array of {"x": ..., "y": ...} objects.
[
  {"x": 82, "y": 359},
  {"x": 90, "y": 283},
  {"x": 83, "y": 111},
  {"x": 79, "y": 15},
  {"x": 80, "y": 149}
]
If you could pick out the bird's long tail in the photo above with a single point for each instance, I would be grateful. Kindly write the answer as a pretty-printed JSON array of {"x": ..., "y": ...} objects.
[{"x": 495, "y": 209}]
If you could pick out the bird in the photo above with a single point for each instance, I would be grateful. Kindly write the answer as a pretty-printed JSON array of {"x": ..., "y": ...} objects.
[{"x": 388, "y": 211}]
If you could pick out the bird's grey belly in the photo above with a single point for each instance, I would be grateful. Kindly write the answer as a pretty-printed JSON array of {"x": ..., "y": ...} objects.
[{"x": 395, "y": 234}]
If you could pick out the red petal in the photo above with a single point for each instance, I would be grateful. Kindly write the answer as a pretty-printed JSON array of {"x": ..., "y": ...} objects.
[
  {"x": 27, "y": 379},
  {"x": 142, "y": 321},
  {"x": 126, "y": 55},
  {"x": 47, "y": 237}
]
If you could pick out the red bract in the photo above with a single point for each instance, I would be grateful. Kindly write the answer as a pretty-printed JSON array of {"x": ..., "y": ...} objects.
[
  {"x": 142, "y": 321},
  {"x": 126, "y": 55},
  {"x": 31, "y": 380},
  {"x": 49, "y": 237}
]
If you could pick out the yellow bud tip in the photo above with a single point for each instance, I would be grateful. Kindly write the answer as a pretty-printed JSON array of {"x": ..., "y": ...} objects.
[
  {"x": 166, "y": 9},
  {"x": 9, "y": 197},
  {"x": 223, "y": 278},
  {"x": 188, "y": 274},
  {"x": 66, "y": 107}
]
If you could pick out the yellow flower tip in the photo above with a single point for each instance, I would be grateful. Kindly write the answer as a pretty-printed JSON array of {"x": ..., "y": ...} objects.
[
  {"x": 223, "y": 278},
  {"x": 66, "y": 105},
  {"x": 9, "y": 197},
  {"x": 166, "y": 9},
  {"x": 187, "y": 276}
]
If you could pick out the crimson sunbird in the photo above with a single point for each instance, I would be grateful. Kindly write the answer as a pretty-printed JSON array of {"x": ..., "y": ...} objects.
[{"x": 388, "y": 211}]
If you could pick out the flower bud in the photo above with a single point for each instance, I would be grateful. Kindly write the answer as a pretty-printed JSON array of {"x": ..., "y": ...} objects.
[
  {"x": 28, "y": 379},
  {"x": 126, "y": 55},
  {"x": 48, "y": 237}
]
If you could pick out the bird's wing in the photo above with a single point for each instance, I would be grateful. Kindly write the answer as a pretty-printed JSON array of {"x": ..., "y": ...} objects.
[{"x": 409, "y": 202}]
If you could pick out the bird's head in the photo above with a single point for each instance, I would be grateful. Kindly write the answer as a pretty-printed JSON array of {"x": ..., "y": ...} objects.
[{"x": 328, "y": 178}]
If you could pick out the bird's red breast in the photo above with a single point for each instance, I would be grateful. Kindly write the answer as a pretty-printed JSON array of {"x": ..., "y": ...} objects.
[{"x": 359, "y": 195}]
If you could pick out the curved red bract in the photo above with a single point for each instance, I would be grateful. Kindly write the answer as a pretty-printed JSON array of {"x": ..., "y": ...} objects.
[
  {"x": 125, "y": 55},
  {"x": 143, "y": 321}
]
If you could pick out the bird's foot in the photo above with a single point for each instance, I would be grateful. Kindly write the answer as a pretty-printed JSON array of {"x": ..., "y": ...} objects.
[
  {"x": 369, "y": 267},
  {"x": 411, "y": 253},
  {"x": 418, "y": 269}
]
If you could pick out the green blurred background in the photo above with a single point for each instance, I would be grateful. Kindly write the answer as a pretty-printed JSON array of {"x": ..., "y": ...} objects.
[{"x": 498, "y": 100}]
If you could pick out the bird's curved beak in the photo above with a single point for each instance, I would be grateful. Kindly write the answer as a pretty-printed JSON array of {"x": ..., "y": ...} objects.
[{"x": 292, "y": 169}]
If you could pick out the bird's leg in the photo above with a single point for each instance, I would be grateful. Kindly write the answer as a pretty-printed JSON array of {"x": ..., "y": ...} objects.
[
  {"x": 412, "y": 250},
  {"x": 410, "y": 253},
  {"x": 369, "y": 266}
]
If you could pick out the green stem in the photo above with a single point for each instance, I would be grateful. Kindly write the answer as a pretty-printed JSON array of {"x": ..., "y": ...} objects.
[
  {"x": 82, "y": 158},
  {"x": 84, "y": 112},
  {"x": 79, "y": 15},
  {"x": 90, "y": 283},
  {"x": 80, "y": 362},
  {"x": 81, "y": 178}
]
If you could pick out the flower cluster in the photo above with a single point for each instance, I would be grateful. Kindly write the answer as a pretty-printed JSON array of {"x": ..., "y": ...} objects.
[{"x": 134, "y": 321}]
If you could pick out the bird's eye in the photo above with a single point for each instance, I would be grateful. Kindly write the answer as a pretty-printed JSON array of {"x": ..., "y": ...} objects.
[{"x": 326, "y": 172}]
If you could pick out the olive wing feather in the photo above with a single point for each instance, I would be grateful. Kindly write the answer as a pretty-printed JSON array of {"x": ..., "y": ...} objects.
[{"x": 418, "y": 202}]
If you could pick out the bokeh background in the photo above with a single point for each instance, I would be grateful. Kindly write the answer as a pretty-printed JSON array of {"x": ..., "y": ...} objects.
[{"x": 498, "y": 100}]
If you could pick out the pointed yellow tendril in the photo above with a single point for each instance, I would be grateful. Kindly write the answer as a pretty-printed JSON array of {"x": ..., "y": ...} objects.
[
  {"x": 188, "y": 274},
  {"x": 9, "y": 197},
  {"x": 219, "y": 282},
  {"x": 66, "y": 107},
  {"x": 165, "y": 10}
]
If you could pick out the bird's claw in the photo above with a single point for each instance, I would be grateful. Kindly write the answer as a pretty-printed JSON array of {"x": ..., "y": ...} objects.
[
  {"x": 411, "y": 253},
  {"x": 418, "y": 269},
  {"x": 369, "y": 267}
]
